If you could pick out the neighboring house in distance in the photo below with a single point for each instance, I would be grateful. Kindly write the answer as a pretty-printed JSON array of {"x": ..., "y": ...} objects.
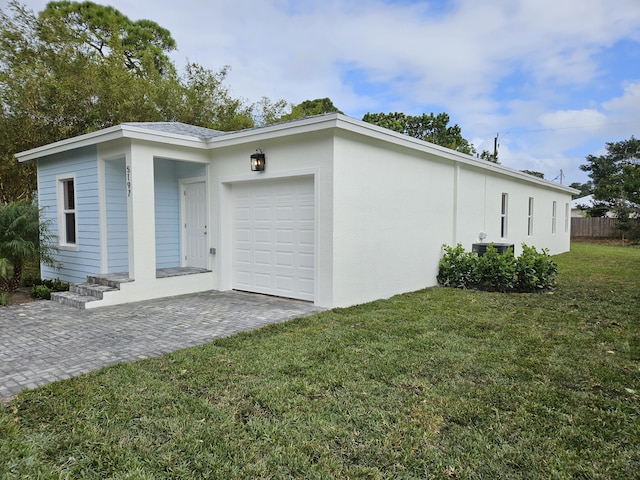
[
  {"x": 345, "y": 212},
  {"x": 580, "y": 206}
]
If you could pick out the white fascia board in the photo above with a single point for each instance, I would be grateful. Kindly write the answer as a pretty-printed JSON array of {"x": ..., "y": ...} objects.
[
  {"x": 85, "y": 140},
  {"x": 339, "y": 121},
  {"x": 364, "y": 128},
  {"x": 294, "y": 127},
  {"x": 108, "y": 134}
]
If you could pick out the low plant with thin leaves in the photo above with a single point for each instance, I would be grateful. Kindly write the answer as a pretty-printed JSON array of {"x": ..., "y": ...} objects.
[{"x": 23, "y": 239}]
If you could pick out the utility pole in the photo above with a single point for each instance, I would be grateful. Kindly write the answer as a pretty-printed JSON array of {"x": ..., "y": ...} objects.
[{"x": 495, "y": 148}]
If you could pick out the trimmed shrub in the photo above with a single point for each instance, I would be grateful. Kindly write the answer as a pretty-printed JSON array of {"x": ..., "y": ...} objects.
[
  {"x": 535, "y": 270},
  {"x": 41, "y": 291},
  {"x": 457, "y": 267},
  {"x": 532, "y": 271},
  {"x": 496, "y": 271}
]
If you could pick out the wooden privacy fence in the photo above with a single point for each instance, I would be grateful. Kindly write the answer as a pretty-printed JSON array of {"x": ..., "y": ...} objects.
[{"x": 593, "y": 227}]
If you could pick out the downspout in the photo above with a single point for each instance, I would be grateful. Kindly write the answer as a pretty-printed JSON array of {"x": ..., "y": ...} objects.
[{"x": 456, "y": 177}]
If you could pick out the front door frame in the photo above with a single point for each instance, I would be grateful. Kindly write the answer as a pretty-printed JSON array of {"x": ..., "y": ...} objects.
[{"x": 183, "y": 234}]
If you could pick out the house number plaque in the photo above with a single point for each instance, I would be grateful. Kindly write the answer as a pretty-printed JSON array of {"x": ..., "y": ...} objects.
[{"x": 128, "y": 181}]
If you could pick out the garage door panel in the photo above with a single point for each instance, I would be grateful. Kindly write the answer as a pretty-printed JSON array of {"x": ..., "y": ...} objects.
[
  {"x": 284, "y": 236},
  {"x": 263, "y": 280},
  {"x": 305, "y": 261},
  {"x": 284, "y": 283},
  {"x": 262, "y": 235},
  {"x": 274, "y": 237},
  {"x": 263, "y": 257},
  {"x": 284, "y": 259}
]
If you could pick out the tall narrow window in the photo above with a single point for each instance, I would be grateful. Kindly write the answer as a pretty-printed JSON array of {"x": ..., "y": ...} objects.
[
  {"x": 553, "y": 217},
  {"x": 67, "y": 205},
  {"x": 567, "y": 212},
  {"x": 503, "y": 215},
  {"x": 530, "y": 218}
]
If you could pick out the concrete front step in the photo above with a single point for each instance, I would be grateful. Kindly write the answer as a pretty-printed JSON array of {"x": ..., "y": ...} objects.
[
  {"x": 110, "y": 280},
  {"x": 75, "y": 300},
  {"x": 91, "y": 289},
  {"x": 80, "y": 294}
]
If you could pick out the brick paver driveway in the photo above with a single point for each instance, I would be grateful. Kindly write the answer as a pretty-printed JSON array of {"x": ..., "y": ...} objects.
[{"x": 42, "y": 342}]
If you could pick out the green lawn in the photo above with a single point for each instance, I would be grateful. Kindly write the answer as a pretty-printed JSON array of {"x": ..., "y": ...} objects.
[{"x": 439, "y": 383}]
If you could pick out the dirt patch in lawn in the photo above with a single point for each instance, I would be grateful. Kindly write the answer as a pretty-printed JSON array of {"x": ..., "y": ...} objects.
[{"x": 22, "y": 295}]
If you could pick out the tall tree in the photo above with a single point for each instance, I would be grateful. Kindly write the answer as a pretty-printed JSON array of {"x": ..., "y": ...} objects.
[
  {"x": 79, "y": 67},
  {"x": 616, "y": 181},
  {"x": 309, "y": 108},
  {"x": 431, "y": 128},
  {"x": 585, "y": 189}
]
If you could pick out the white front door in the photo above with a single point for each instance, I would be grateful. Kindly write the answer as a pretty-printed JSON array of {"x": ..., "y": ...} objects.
[{"x": 194, "y": 225}]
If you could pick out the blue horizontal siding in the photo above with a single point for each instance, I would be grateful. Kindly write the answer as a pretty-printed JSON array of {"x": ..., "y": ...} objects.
[
  {"x": 82, "y": 164},
  {"x": 117, "y": 217},
  {"x": 167, "y": 219}
]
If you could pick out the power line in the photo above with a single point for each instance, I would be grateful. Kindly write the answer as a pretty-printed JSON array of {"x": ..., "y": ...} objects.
[{"x": 507, "y": 132}]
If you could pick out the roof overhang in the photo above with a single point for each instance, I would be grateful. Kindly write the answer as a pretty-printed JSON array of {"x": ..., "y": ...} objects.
[
  {"x": 294, "y": 127},
  {"x": 116, "y": 132}
]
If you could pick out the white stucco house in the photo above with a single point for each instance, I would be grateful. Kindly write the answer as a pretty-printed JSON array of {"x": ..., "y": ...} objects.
[{"x": 344, "y": 212}]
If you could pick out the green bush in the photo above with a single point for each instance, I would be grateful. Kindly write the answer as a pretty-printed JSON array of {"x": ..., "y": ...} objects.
[
  {"x": 56, "y": 285},
  {"x": 535, "y": 270},
  {"x": 457, "y": 267},
  {"x": 496, "y": 271},
  {"x": 532, "y": 271},
  {"x": 41, "y": 291},
  {"x": 4, "y": 301}
]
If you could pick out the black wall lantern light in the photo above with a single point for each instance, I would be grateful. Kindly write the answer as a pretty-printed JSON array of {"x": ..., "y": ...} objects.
[{"x": 258, "y": 161}]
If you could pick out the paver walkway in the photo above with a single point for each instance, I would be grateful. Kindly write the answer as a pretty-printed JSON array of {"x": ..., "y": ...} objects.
[{"x": 42, "y": 342}]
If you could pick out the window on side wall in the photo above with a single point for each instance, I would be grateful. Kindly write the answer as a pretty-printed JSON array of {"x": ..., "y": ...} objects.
[
  {"x": 566, "y": 217},
  {"x": 503, "y": 215},
  {"x": 530, "y": 218},
  {"x": 67, "y": 231},
  {"x": 554, "y": 210}
]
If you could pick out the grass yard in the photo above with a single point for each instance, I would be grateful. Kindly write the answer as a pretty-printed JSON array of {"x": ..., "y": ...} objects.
[{"x": 439, "y": 383}]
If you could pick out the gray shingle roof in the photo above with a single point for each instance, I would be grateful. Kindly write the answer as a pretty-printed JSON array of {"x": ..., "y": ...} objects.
[{"x": 178, "y": 128}]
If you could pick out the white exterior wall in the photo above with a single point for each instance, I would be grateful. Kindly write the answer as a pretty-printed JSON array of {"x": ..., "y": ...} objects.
[
  {"x": 393, "y": 210},
  {"x": 309, "y": 154},
  {"x": 479, "y": 208}
]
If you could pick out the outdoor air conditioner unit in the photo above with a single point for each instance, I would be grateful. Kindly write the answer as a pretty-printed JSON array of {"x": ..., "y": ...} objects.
[{"x": 481, "y": 248}]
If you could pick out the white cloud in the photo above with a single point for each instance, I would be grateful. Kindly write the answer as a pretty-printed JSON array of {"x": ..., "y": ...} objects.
[{"x": 524, "y": 68}]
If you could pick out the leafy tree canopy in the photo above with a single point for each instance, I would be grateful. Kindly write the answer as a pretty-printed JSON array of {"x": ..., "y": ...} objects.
[
  {"x": 616, "y": 174},
  {"x": 616, "y": 182},
  {"x": 533, "y": 173},
  {"x": 79, "y": 67},
  {"x": 431, "y": 128},
  {"x": 106, "y": 31},
  {"x": 585, "y": 189},
  {"x": 308, "y": 108}
]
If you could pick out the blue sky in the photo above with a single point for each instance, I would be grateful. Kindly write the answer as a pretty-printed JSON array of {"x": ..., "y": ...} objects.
[{"x": 555, "y": 78}]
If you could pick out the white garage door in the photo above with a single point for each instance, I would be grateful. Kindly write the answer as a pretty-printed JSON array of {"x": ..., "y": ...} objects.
[{"x": 273, "y": 237}]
